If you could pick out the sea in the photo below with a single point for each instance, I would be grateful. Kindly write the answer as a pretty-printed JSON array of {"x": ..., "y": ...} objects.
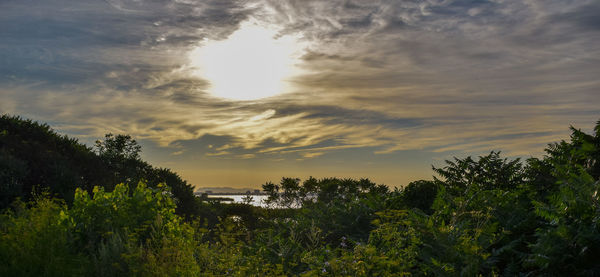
[{"x": 257, "y": 200}]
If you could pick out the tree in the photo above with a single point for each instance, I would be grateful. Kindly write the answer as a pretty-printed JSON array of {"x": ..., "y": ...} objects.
[
  {"x": 119, "y": 146},
  {"x": 247, "y": 199},
  {"x": 420, "y": 194},
  {"x": 488, "y": 172},
  {"x": 33, "y": 155}
]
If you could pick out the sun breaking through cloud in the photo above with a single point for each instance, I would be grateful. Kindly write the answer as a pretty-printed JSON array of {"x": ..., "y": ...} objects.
[
  {"x": 252, "y": 63},
  {"x": 262, "y": 88}
]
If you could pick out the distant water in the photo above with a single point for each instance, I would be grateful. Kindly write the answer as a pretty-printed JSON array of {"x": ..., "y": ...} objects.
[{"x": 257, "y": 200}]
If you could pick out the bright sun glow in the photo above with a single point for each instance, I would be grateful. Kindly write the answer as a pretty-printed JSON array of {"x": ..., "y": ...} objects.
[{"x": 252, "y": 63}]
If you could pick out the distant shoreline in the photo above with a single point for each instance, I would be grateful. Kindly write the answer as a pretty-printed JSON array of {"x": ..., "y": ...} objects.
[{"x": 228, "y": 193}]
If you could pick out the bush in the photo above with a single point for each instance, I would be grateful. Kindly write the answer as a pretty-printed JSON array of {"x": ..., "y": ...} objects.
[
  {"x": 110, "y": 234},
  {"x": 37, "y": 241}
]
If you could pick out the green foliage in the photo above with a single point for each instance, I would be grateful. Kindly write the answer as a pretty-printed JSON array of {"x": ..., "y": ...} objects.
[
  {"x": 110, "y": 234},
  {"x": 339, "y": 207},
  {"x": 118, "y": 147},
  {"x": 487, "y": 216},
  {"x": 118, "y": 211},
  {"x": 420, "y": 195},
  {"x": 570, "y": 238},
  {"x": 489, "y": 172},
  {"x": 139, "y": 230},
  {"x": 37, "y": 241},
  {"x": 13, "y": 172},
  {"x": 32, "y": 154}
]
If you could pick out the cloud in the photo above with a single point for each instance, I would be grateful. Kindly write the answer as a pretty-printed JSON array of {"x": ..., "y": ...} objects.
[
  {"x": 176, "y": 153},
  {"x": 60, "y": 42},
  {"x": 387, "y": 76},
  {"x": 312, "y": 155},
  {"x": 263, "y": 116}
]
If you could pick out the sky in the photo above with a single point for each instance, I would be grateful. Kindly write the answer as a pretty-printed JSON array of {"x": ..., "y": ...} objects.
[{"x": 238, "y": 93}]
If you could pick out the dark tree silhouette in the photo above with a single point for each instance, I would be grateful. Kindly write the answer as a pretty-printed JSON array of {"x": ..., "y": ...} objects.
[{"x": 33, "y": 155}]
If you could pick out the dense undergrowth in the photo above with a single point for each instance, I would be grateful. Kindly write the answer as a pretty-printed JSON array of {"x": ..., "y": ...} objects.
[{"x": 482, "y": 216}]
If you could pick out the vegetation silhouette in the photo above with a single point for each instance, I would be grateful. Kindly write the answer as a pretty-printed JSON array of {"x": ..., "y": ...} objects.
[
  {"x": 478, "y": 216},
  {"x": 32, "y": 156}
]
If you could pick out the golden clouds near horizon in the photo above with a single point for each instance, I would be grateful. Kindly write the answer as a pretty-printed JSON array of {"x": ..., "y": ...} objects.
[{"x": 254, "y": 62}]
